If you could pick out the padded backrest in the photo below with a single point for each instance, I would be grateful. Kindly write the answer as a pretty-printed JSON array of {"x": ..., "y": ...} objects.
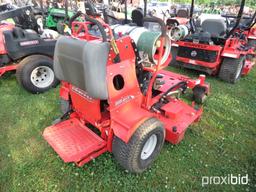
[
  {"x": 137, "y": 17},
  {"x": 83, "y": 64},
  {"x": 184, "y": 13},
  {"x": 216, "y": 27},
  {"x": 90, "y": 9},
  {"x": 110, "y": 18}
]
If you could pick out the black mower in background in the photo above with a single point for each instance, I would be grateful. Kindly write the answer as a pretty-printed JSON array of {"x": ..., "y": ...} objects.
[
  {"x": 106, "y": 12},
  {"x": 6, "y": 7},
  {"x": 215, "y": 48},
  {"x": 25, "y": 51}
]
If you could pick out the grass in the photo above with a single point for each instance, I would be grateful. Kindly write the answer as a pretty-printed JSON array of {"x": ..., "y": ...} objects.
[{"x": 222, "y": 143}]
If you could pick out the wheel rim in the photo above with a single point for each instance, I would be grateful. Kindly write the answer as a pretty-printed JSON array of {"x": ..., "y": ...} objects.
[
  {"x": 39, "y": 22},
  {"x": 239, "y": 70},
  {"x": 42, "y": 77},
  {"x": 149, "y": 147}
]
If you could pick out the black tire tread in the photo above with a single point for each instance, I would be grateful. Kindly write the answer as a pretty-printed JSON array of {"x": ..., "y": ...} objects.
[
  {"x": 124, "y": 153},
  {"x": 229, "y": 69},
  {"x": 20, "y": 75}
]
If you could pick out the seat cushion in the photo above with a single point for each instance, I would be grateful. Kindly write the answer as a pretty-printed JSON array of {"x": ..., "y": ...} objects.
[
  {"x": 216, "y": 27},
  {"x": 183, "y": 12},
  {"x": 137, "y": 17},
  {"x": 83, "y": 64}
]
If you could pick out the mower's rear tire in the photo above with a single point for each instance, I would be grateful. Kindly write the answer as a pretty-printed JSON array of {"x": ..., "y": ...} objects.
[
  {"x": 143, "y": 147},
  {"x": 174, "y": 52},
  {"x": 231, "y": 69},
  {"x": 35, "y": 74}
]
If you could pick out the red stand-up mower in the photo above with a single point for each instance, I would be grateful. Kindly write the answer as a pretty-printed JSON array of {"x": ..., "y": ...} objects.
[
  {"x": 23, "y": 50},
  {"x": 105, "y": 86},
  {"x": 215, "y": 49},
  {"x": 180, "y": 18}
]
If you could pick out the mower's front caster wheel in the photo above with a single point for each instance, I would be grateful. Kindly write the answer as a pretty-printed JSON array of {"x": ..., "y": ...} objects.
[
  {"x": 231, "y": 69},
  {"x": 143, "y": 147},
  {"x": 35, "y": 74},
  {"x": 199, "y": 94}
]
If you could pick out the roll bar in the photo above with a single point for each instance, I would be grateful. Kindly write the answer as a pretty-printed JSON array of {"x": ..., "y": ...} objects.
[
  {"x": 191, "y": 16},
  {"x": 239, "y": 16},
  {"x": 253, "y": 21}
]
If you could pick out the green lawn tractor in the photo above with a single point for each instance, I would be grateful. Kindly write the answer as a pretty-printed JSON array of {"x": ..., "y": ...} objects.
[{"x": 54, "y": 16}]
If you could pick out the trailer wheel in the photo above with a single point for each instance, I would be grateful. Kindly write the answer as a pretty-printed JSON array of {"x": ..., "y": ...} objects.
[
  {"x": 35, "y": 74},
  {"x": 174, "y": 52},
  {"x": 231, "y": 69},
  {"x": 143, "y": 147},
  {"x": 199, "y": 94}
]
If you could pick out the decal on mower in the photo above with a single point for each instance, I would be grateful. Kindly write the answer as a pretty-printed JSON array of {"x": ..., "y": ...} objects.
[
  {"x": 82, "y": 93},
  {"x": 124, "y": 100},
  {"x": 193, "y": 53},
  {"x": 27, "y": 43},
  {"x": 200, "y": 46}
]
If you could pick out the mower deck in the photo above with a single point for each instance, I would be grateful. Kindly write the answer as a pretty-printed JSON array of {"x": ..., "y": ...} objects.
[
  {"x": 178, "y": 117},
  {"x": 73, "y": 141}
]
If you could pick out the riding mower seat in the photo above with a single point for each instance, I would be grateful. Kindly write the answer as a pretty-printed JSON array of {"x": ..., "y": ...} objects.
[
  {"x": 59, "y": 14},
  {"x": 137, "y": 17},
  {"x": 75, "y": 62},
  {"x": 111, "y": 19},
  {"x": 90, "y": 10},
  {"x": 184, "y": 13},
  {"x": 216, "y": 27}
]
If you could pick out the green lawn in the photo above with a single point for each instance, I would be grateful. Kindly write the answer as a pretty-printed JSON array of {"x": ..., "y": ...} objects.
[{"x": 222, "y": 143}]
